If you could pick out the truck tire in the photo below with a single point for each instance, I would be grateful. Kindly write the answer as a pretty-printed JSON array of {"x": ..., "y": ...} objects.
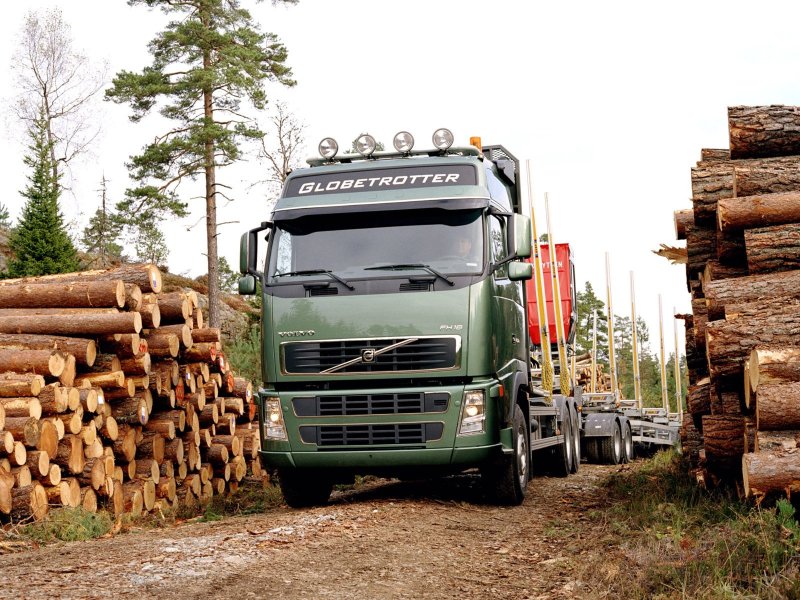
[
  {"x": 562, "y": 455},
  {"x": 304, "y": 488},
  {"x": 507, "y": 478},
  {"x": 627, "y": 443},
  {"x": 592, "y": 450},
  {"x": 611, "y": 451},
  {"x": 576, "y": 440}
]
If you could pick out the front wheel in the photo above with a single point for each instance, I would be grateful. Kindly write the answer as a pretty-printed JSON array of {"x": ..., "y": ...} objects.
[
  {"x": 507, "y": 479},
  {"x": 304, "y": 488}
]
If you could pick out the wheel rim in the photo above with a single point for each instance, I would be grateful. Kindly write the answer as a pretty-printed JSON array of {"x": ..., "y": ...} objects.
[
  {"x": 576, "y": 442},
  {"x": 628, "y": 443},
  {"x": 617, "y": 444},
  {"x": 522, "y": 457},
  {"x": 566, "y": 427}
]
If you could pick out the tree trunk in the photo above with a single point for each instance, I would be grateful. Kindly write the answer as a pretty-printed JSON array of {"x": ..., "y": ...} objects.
[
  {"x": 748, "y": 289},
  {"x": 103, "y": 294},
  {"x": 698, "y": 401},
  {"x": 42, "y": 362},
  {"x": 183, "y": 332},
  {"x": 701, "y": 246},
  {"x": 773, "y": 364},
  {"x": 123, "y": 345},
  {"x": 146, "y": 276},
  {"x": 20, "y": 384},
  {"x": 771, "y": 249},
  {"x": 778, "y": 406},
  {"x": 163, "y": 345},
  {"x": 84, "y": 350},
  {"x": 750, "y": 212},
  {"x": 771, "y": 472},
  {"x": 715, "y": 270},
  {"x": 757, "y": 131},
  {"x": 730, "y": 248},
  {"x": 175, "y": 307},
  {"x": 72, "y": 324},
  {"x": 70, "y": 454},
  {"x": 766, "y": 176},
  {"x": 208, "y": 334},
  {"x": 21, "y": 407},
  {"x": 729, "y": 343}
]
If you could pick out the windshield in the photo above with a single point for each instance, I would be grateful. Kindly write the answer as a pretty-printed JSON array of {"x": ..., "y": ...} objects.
[{"x": 378, "y": 244}]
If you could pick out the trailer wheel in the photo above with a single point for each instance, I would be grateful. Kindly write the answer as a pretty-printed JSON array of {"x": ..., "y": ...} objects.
[
  {"x": 302, "y": 488},
  {"x": 592, "y": 450},
  {"x": 507, "y": 479},
  {"x": 576, "y": 441},
  {"x": 611, "y": 447},
  {"x": 628, "y": 443}
]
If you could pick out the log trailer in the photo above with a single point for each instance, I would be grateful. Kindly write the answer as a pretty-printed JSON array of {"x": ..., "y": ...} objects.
[{"x": 395, "y": 336}]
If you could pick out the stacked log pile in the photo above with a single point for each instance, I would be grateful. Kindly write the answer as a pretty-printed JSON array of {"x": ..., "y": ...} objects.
[
  {"x": 115, "y": 395},
  {"x": 743, "y": 336},
  {"x": 583, "y": 373}
]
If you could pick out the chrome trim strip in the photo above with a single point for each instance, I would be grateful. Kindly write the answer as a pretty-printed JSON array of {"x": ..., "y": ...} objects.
[
  {"x": 376, "y": 203},
  {"x": 383, "y": 350},
  {"x": 379, "y": 446},
  {"x": 296, "y": 395}
]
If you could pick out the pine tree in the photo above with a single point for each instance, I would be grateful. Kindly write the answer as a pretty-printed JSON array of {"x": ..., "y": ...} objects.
[
  {"x": 5, "y": 218},
  {"x": 588, "y": 302},
  {"x": 205, "y": 63},
  {"x": 40, "y": 242}
]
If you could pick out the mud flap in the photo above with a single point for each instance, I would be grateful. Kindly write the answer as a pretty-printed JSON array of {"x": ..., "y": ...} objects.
[{"x": 507, "y": 440}]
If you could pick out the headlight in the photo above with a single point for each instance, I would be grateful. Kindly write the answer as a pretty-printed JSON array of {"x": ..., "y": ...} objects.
[
  {"x": 442, "y": 138},
  {"x": 273, "y": 426},
  {"x": 328, "y": 148},
  {"x": 365, "y": 144},
  {"x": 473, "y": 413},
  {"x": 403, "y": 141}
]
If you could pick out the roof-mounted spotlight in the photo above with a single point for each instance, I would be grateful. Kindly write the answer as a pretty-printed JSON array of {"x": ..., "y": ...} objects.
[
  {"x": 442, "y": 139},
  {"x": 328, "y": 148},
  {"x": 403, "y": 141},
  {"x": 365, "y": 144}
]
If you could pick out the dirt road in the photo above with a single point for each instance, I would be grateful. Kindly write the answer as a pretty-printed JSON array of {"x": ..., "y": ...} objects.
[{"x": 389, "y": 540}]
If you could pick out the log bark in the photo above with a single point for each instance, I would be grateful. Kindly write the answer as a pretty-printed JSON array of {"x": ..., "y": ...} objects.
[
  {"x": 710, "y": 181},
  {"x": 175, "y": 307},
  {"x": 766, "y": 210},
  {"x": 701, "y": 246},
  {"x": 765, "y": 473},
  {"x": 778, "y": 406},
  {"x": 729, "y": 343},
  {"x": 768, "y": 441},
  {"x": 724, "y": 439},
  {"x": 108, "y": 380},
  {"x": 183, "y": 332},
  {"x": 772, "y": 249},
  {"x": 772, "y": 364},
  {"x": 92, "y": 294},
  {"x": 131, "y": 411},
  {"x": 208, "y": 334},
  {"x": 42, "y": 362},
  {"x": 151, "y": 316},
  {"x": 750, "y": 288},
  {"x": 140, "y": 365},
  {"x": 84, "y": 350},
  {"x": 757, "y": 131},
  {"x": 20, "y": 384},
  {"x": 124, "y": 447},
  {"x": 163, "y": 345},
  {"x": 21, "y": 407},
  {"x": 146, "y": 276},
  {"x": 133, "y": 498},
  {"x": 133, "y": 297},
  {"x": 760, "y": 176},
  {"x": 123, "y": 345},
  {"x": 152, "y": 446},
  {"x": 72, "y": 324}
]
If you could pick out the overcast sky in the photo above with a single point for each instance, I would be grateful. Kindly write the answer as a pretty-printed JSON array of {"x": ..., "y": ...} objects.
[{"x": 610, "y": 101}]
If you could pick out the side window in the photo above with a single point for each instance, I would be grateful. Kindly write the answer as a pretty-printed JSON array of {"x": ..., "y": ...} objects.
[{"x": 497, "y": 245}]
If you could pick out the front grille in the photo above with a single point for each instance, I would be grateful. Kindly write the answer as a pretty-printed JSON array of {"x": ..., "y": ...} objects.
[
  {"x": 416, "y": 286},
  {"x": 372, "y": 435},
  {"x": 370, "y": 404},
  {"x": 416, "y": 354}
]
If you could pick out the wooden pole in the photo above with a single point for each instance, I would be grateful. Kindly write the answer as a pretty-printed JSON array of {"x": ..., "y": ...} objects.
[
  {"x": 677, "y": 369},
  {"x": 664, "y": 398},
  {"x": 612, "y": 364},
  {"x": 564, "y": 379},
  {"x": 637, "y": 380}
]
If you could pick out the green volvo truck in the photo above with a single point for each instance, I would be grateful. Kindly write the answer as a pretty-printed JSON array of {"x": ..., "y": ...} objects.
[{"x": 395, "y": 334}]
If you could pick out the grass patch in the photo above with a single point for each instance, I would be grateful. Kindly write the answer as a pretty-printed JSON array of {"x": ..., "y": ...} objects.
[
  {"x": 250, "y": 498},
  {"x": 686, "y": 542},
  {"x": 68, "y": 525}
]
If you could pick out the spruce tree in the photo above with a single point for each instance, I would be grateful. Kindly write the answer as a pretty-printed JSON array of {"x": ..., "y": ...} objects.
[
  {"x": 40, "y": 242},
  {"x": 5, "y": 218},
  {"x": 101, "y": 236}
]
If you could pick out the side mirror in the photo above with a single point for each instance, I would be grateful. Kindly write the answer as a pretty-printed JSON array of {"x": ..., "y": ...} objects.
[
  {"x": 519, "y": 271},
  {"x": 247, "y": 285},
  {"x": 248, "y": 250},
  {"x": 520, "y": 244}
]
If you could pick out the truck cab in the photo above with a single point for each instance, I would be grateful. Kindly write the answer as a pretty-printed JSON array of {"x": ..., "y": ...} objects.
[{"x": 394, "y": 324}]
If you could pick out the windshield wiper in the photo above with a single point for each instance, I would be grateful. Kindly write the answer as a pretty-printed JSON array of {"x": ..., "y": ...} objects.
[
  {"x": 327, "y": 272},
  {"x": 407, "y": 266}
]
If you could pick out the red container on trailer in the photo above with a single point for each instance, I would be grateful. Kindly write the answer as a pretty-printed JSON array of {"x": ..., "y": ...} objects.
[{"x": 566, "y": 280}]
